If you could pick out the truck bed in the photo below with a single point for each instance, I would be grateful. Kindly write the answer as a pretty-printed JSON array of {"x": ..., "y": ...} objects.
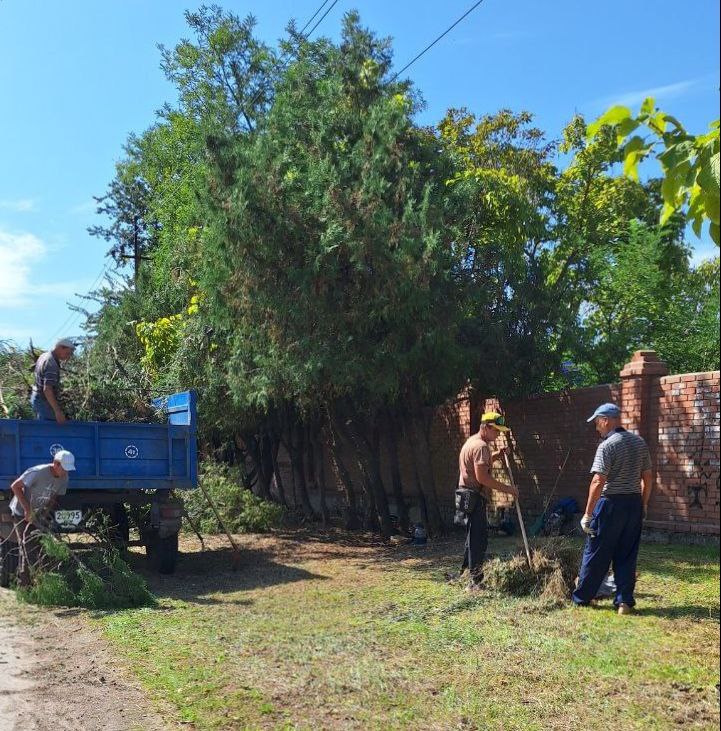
[{"x": 110, "y": 455}]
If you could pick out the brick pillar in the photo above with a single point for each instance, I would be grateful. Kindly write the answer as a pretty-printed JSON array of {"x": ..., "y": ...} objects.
[{"x": 640, "y": 397}]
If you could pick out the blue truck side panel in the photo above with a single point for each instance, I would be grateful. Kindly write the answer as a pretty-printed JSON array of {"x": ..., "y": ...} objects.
[{"x": 110, "y": 455}]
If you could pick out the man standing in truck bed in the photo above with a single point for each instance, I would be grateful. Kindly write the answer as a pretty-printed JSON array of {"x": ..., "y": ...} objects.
[{"x": 46, "y": 385}]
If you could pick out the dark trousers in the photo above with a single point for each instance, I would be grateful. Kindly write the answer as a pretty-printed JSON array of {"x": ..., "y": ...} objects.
[
  {"x": 41, "y": 408},
  {"x": 617, "y": 522},
  {"x": 476, "y": 540},
  {"x": 28, "y": 541}
]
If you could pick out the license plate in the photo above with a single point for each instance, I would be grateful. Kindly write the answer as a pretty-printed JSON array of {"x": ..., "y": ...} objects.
[{"x": 68, "y": 518}]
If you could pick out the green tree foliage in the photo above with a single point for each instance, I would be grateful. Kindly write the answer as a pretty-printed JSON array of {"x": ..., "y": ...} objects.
[
  {"x": 322, "y": 266},
  {"x": 690, "y": 162},
  {"x": 131, "y": 231},
  {"x": 647, "y": 296}
]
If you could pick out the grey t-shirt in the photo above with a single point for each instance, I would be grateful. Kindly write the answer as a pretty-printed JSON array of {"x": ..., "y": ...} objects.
[
  {"x": 47, "y": 372},
  {"x": 622, "y": 456},
  {"x": 41, "y": 486}
]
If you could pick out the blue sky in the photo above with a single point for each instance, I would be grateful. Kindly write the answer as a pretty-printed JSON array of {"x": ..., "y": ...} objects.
[{"x": 76, "y": 77}]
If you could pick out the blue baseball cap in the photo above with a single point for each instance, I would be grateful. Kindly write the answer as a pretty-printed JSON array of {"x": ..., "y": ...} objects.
[{"x": 610, "y": 410}]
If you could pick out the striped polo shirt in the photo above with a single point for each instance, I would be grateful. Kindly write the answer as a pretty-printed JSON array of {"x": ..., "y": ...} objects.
[{"x": 621, "y": 457}]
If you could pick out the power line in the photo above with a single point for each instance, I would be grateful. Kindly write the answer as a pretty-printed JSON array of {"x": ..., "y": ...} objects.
[
  {"x": 313, "y": 17},
  {"x": 303, "y": 37},
  {"x": 433, "y": 43},
  {"x": 322, "y": 18},
  {"x": 75, "y": 315}
]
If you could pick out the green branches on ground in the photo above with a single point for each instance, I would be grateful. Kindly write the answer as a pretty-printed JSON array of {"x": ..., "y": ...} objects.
[
  {"x": 241, "y": 510},
  {"x": 97, "y": 578}
]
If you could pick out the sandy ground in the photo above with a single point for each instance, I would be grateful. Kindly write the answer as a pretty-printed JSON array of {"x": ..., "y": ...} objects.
[{"x": 57, "y": 674}]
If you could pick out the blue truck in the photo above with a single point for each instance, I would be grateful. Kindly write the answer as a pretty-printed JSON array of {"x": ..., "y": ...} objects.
[{"x": 119, "y": 466}]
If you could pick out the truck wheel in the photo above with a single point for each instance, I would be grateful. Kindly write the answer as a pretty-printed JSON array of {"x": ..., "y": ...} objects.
[
  {"x": 8, "y": 562},
  {"x": 119, "y": 533},
  {"x": 165, "y": 553}
]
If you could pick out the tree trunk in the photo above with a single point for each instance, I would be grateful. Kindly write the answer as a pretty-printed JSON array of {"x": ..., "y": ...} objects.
[
  {"x": 394, "y": 459},
  {"x": 352, "y": 431},
  {"x": 320, "y": 481},
  {"x": 351, "y": 520},
  {"x": 275, "y": 446},
  {"x": 421, "y": 450},
  {"x": 297, "y": 459}
]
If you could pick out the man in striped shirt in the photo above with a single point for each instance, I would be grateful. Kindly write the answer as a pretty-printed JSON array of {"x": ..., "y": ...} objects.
[{"x": 617, "y": 502}]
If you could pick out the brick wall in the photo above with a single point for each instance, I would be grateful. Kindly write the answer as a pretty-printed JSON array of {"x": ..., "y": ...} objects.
[
  {"x": 686, "y": 495},
  {"x": 677, "y": 415}
]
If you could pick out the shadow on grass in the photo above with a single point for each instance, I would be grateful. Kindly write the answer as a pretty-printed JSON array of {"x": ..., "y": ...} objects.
[
  {"x": 199, "y": 575},
  {"x": 688, "y": 611}
]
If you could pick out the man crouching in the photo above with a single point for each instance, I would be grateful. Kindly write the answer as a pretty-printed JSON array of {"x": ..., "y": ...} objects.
[{"x": 35, "y": 493}]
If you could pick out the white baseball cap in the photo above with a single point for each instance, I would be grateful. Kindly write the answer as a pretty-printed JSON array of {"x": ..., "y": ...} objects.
[
  {"x": 65, "y": 459},
  {"x": 65, "y": 343}
]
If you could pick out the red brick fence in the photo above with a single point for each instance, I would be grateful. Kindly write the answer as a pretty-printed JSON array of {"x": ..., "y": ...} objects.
[{"x": 677, "y": 415}]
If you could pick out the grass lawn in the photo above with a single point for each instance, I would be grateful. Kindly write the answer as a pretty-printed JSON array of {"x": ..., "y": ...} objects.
[{"x": 331, "y": 632}]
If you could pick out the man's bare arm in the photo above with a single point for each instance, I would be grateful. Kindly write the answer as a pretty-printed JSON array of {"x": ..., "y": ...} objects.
[
  {"x": 484, "y": 476},
  {"x": 594, "y": 492},
  {"x": 646, "y": 487},
  {"x": 18, "y": 488},
  {"x": 498, "y": 455},
  {"x": 49, "y": 393}
]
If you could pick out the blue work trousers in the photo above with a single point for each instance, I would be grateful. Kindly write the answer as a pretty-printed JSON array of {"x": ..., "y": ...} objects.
[
  {"x": 41, "y": 408},
  {"x": 617, "y": 522}
]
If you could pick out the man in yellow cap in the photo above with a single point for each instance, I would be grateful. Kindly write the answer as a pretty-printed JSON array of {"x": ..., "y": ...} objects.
[{"x": 475, "y": 486}]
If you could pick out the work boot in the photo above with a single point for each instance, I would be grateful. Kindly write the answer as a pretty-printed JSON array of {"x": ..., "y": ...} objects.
[{"x": 624, "y": 609}]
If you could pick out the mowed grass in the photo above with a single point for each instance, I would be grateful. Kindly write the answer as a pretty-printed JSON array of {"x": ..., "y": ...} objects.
[{"x": 335, "y": 632}]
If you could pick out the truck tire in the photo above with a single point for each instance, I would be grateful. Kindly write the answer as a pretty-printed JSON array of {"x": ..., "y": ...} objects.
[
  {"x": 165, "y": 553},
  {"x": 8, "y": 562},
  {"x": 119, "y": 533}
]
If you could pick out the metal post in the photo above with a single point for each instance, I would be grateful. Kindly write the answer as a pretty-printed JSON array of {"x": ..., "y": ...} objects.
[{"x": 518, "y": 511}]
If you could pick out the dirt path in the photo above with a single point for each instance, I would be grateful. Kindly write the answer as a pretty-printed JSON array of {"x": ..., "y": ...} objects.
[{"x": 56, "y": 674}]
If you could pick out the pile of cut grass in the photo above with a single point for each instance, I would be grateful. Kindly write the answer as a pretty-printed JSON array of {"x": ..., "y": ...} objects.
[{"x": 552, "y": 578}]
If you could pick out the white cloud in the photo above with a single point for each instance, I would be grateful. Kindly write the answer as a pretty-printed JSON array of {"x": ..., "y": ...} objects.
[
  {"x": 19, "y": 335},
  {"x": 82, "y": 209},
  {"x": 20, "y": 205},
  {"x": 668, "y": 91},
  {"x": 18, "y": 253}
]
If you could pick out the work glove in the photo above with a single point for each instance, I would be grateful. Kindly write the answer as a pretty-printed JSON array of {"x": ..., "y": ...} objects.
[{"x": 586, "y": 526}]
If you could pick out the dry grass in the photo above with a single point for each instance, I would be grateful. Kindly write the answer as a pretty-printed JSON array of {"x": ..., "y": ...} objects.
[{"x": 551, "y": 576}]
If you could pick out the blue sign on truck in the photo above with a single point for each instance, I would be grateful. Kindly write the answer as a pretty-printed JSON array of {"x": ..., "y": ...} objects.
[{"x": 119, "y": 465}]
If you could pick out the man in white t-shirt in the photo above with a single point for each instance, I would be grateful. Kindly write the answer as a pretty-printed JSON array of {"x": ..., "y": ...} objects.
[{"x": 35, "y": 494}]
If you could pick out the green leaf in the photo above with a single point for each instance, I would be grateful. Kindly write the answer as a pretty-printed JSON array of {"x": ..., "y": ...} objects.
[
  {"x": 676, "y": 155},
  {"x": 625, "y": 127},
  {"x": 697, "y": 225},
  {"x": 666, "y": 213},
  {"x": 670, "y": 189},
  {"x": 611, "y": 117},
  {"x": 672, "y": 120},
  {"x": 711, "y": 205},
  {"x": 648, "y": 106},
  {"x": 714, "y": 231}
]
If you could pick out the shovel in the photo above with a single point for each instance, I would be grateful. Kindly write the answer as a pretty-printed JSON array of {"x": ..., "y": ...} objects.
[{"x": 518, "y": 510}]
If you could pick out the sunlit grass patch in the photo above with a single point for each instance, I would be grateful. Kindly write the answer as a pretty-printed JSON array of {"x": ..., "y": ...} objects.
[{"x": 316, "y": 634}]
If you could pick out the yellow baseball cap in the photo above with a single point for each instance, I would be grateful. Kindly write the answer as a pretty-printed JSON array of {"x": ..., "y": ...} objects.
[{"x": 493, "y": 418}]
